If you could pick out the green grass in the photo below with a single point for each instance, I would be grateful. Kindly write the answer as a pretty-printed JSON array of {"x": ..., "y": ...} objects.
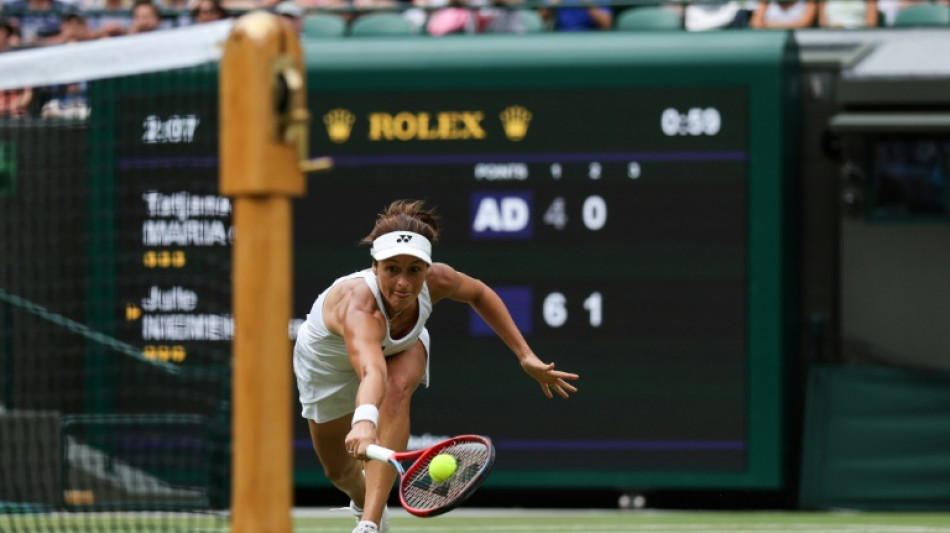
[
  {"x": 644, "y": 522},
  {"x": 517, "y": 521}
]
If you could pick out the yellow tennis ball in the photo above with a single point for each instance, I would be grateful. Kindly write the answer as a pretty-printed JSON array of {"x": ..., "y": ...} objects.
[{"x": 442, "y": 467}]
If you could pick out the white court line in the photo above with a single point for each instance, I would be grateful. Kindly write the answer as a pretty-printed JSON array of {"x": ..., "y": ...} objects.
[
  {"x": 710, "y": 528},
  {"x": 658, "y": 528},
  {"x": 723, "y": 528},
  {"x": 707, "y": 528}
]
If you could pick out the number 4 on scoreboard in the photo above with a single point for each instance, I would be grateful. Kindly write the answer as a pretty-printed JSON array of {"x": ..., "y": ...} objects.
[
  {"x": 556, "y": 214},
  {"x": 593, "y": 213}
]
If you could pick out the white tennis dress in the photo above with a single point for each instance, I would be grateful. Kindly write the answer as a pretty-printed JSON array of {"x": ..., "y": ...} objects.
[{"x": 326, "y": 380}]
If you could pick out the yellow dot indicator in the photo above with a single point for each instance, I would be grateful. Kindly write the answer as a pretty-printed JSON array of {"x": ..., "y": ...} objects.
[
  {"x": 132, "y": 312},
  {"x": 164, "y": 353},
  {"x": 178, "y": 258},
  {"x": 164, "y": 259},
  {"x": 178, "y": 353}
]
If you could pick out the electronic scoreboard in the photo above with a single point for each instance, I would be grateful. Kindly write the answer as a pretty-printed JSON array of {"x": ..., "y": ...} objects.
[{"x": 624, "y": 194}]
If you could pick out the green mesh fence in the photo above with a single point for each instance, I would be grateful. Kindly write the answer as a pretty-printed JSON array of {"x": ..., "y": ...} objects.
[{"x": 114, "y": 308}]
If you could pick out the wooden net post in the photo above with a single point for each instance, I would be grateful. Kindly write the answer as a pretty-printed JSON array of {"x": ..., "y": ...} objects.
[{"x": 263, "y": 127}]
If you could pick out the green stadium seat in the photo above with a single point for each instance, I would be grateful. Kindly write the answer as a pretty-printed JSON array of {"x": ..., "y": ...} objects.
[
  {"x": 321, "y": 25},
  {"x": 923, "y": 15},
  {"x": 649, "y": 18},
  {"x": 532, "y": 21},
  {"x": 381, "y": 24}
]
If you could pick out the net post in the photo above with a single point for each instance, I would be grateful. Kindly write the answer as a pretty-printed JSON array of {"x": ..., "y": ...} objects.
[{"x": 262, "y": 99}]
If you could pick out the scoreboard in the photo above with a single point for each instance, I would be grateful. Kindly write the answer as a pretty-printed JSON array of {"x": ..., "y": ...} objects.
[
  {"x": 624, "y": 194},
  {"x": 615, "y": 233}
]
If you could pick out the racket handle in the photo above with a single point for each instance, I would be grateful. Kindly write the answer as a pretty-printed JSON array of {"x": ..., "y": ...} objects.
[{"x": 379, "y": 453}]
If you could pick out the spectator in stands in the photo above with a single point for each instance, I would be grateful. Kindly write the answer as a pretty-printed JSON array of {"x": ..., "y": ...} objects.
[
  {"x": 67, "y": 101},
  {"x": 370, "y": 5},
  {"x": 9, "y": 35},
  {"x": 476, "y": 16},
  {"x": 39, "y": 18},
  {"x": 292, "y": 13},
  {"x": 578, "y": 16},
  {"x": 113, "y": 17},
  {"x": 145, "y": 17},
  {"x": 181, "y": 13},
  {"x": 72, "y": 29},
  {"x": 784, "y": 14},
  {"x": 888, "y": 9},
  {"x": 247, "y": 5},
  {"x": 418, "y": 12},
  {"x": 208, "y": 11},
  {"x": 847, "y": 14},
  {"x": 322, "y": 4},
  {"x": 506, "y": 17},
  {"x": 459, "y": 16},
  {"x": 702, "y": 16},
  {"x": 15, "y": 103}
]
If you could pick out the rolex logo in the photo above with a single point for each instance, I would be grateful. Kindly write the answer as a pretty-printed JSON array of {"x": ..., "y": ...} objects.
[
  {"x": 515, "y": 120},
  {"x": 404, "y": 238},
  {"x": 339, "y": 123}
]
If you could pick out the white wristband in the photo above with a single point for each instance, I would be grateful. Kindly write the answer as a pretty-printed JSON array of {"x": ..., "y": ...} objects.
[{"x": 367, "y": 411}]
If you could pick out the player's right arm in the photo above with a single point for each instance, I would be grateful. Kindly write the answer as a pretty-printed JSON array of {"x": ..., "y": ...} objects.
[{"x": 356, "y": 317}]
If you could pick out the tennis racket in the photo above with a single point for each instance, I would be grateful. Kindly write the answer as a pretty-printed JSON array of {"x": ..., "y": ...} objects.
[{"x": 419, "y": 494}]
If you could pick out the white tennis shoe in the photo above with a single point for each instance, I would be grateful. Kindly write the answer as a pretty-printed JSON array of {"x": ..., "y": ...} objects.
[
  {"x": 358, "y": 514},
  {"x": 365, "y": 527}
]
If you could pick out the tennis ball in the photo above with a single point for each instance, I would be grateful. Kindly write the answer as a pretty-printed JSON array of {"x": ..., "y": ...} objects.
[{"x": 442, "y": 467}]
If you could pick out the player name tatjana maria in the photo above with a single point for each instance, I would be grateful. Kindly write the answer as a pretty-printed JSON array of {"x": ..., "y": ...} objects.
[
  {"x": 186, "y": 233},
  {"x": 182, "y": 218}
]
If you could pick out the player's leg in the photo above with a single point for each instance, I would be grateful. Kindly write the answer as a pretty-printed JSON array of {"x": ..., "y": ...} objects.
[
  {"x": 345, "y": 472},
  {"x": 404, "y": 373}
]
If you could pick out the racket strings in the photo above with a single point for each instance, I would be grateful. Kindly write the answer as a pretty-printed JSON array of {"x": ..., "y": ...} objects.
[{"x": 421, "y": 492}]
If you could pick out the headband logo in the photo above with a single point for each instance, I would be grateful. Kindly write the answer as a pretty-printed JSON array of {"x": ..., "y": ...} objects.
[{"x": 404, "y": 238}]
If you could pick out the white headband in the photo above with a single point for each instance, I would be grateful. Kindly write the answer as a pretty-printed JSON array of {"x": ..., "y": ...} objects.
[{"x": 401, "y": 243}]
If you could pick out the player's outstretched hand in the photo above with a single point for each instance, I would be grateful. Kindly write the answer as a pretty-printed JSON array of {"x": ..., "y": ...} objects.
[
  {"x": 361, "y": 435},
  {"x": 549, "y": 378}
]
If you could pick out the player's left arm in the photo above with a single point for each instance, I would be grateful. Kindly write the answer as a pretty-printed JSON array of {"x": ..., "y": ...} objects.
[{"x": 446, "y": 282}]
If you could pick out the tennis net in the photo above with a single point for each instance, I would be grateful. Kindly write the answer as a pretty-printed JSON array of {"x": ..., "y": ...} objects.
[{"x": 115, "y": 323}]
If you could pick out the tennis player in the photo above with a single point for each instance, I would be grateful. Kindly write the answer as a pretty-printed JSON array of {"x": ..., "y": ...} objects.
[{"x": 364, "y": 350}]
